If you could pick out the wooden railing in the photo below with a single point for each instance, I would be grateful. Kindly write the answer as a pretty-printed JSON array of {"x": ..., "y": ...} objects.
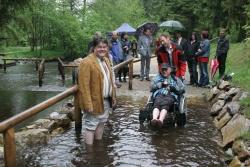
[
  {"x": 62, "y": 65},
  {"x": 7, "y": 126},
  {"x": 40, "y": 66},
  {"x": 61, "y": 69}
]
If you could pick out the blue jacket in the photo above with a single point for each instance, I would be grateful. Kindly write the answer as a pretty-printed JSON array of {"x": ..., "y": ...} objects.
[
  {"x": 205, "y": 48},
  {"x": 125, "y": 43},
  {"x": 116, "y": 51},
  {"x": 172, "y": 81}
]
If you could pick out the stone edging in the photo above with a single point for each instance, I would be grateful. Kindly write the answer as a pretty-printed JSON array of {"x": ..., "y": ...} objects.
[
  {"x": 230, "y": 122},
  {"x": 43, "y": 130}
]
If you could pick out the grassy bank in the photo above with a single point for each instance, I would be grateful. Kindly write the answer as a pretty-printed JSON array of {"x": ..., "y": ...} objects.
[
  {"x": 25, "y": 52},
  {"x": 238, "y": 61}
]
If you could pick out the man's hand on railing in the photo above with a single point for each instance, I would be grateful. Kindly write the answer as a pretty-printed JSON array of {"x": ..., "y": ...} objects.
[{"x": 89, "y": 111}]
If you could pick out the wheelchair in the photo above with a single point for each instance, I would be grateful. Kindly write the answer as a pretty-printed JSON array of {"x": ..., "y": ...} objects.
[{"x": 177, "y": 114}]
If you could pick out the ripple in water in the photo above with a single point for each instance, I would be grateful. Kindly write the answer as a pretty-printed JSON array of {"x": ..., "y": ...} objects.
[{"x": 126, "y": 143}]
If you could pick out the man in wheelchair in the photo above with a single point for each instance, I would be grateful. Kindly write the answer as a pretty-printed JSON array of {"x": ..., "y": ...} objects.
[{"x": 167, "y": 91}]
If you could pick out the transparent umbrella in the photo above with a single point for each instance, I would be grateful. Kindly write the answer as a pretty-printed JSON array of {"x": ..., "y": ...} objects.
[{"x": 172, "y": 25}]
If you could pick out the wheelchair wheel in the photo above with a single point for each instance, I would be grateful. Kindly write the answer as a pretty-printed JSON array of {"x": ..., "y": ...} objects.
[
  {"x": 181, "y": 119},
  {"x": 142, "y": 116}
]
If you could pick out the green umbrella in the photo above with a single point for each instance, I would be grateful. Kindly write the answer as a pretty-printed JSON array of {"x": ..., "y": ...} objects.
[{"x": 172, "y": 25}]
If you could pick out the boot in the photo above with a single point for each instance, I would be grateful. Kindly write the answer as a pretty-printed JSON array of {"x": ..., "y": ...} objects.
[
  {"x": 124, "y": 79},
  {"x": 120, "y": 76}
]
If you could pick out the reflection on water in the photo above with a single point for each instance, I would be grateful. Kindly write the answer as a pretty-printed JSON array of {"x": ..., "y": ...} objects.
[
  {"x": 126, "y": 143},
  {"x": 19, "y": 89}
]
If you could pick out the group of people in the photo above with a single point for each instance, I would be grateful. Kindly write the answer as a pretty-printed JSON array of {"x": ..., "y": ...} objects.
[{"x": 97, "y": 80}]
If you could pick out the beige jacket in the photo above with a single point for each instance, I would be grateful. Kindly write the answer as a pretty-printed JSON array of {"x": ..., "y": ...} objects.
[{"x": 90, "y": 80}]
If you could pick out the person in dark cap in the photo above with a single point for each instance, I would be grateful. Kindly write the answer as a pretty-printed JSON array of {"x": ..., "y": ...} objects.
[{"x": 165, "y": 88}]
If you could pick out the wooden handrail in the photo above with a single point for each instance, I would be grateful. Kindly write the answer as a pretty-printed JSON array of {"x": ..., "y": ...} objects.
[
  {"x": 7, "y": 126},
  {"x": 116, "y": 67},
  {"x": 11, "y": 122},
  {"x": 59, "y": 59},
  {"x": 24, "y": 59},
  {"x": 137, "y": 60}
]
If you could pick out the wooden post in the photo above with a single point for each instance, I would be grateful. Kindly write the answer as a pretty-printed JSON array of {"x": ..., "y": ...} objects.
[
  {"x": 43, "y": 67},
  {"x": 37, "y": 65},
  {"x": 130, "y": 82},
  {"x": 78, "y": 115},
  {"x": 61, "y": 70},
  {"x": 40, "y": 76},
  {"x": 41, "y": 70},
  {"x": 4, "y": 65},
  {"x": 9, "y": 148},
  {"x": 63, "y": 73},
  {"x": 73, "y": 75}
]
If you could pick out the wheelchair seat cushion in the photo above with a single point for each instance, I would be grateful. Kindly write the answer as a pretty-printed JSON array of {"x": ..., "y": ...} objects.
[{"x": 164, "y": 102}]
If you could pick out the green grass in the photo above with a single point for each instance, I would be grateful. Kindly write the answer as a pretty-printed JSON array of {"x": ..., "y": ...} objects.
[
  {"x": 245, "y": 136},
  {"x": 245, "y": 105},
  {"x": 25, "y": 52},
  {"x": 238, "y": 61}
]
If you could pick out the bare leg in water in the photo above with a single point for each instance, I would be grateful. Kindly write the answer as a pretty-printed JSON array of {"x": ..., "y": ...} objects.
[{"x": 90, "y": 135}]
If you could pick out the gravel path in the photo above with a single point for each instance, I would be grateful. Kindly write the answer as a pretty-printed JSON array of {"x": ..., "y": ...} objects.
[{"x": 141, "y": 88}]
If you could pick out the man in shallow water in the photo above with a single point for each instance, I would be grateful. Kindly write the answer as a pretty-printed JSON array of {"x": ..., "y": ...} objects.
[{"x": 96, "y": 90}]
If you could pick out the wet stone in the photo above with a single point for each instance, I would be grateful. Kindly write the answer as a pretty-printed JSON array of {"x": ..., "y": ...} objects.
[
  {"x": 233, "y": 107},
  {"x": 237, "y": 96},
  {"x": 63, "y": 120},
  {"x": 243, "y": 156},
  {"x": 244, "y": 95},
  {"x": 33, "y": 126},
  {"x": 247, "y": 163},
  {"x": 219, "y": 124},
  {"x": 224, "y": 84},
  {"x": 217, "y": 107},
  {"x": 233, "y": 91},
  {"x": 238, "y": 147},
  {"x": 210, "y": 96},
  {"x": 222, "y": 112},
  {"x": 215, "y": 99},
  {"x": 223, "y": 96},
  {"x": 57, "y": 131},
  {"x": 51, "y": 126},
  {"x": 234, "y": 128},
  {"x": 42, "y": 122},
  {"x": 235, "y": 162},
  {"x": 228, "y": 155},
  {"x": 212, "y": 93},
  {"x": 32, "y": 137}
]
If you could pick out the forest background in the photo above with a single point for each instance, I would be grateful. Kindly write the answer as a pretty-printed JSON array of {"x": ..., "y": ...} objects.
[{"x": 64, "y": 27}]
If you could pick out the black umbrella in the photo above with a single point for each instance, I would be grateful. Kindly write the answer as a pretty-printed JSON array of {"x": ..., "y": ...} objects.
[{"x": 152, "y": 26}]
